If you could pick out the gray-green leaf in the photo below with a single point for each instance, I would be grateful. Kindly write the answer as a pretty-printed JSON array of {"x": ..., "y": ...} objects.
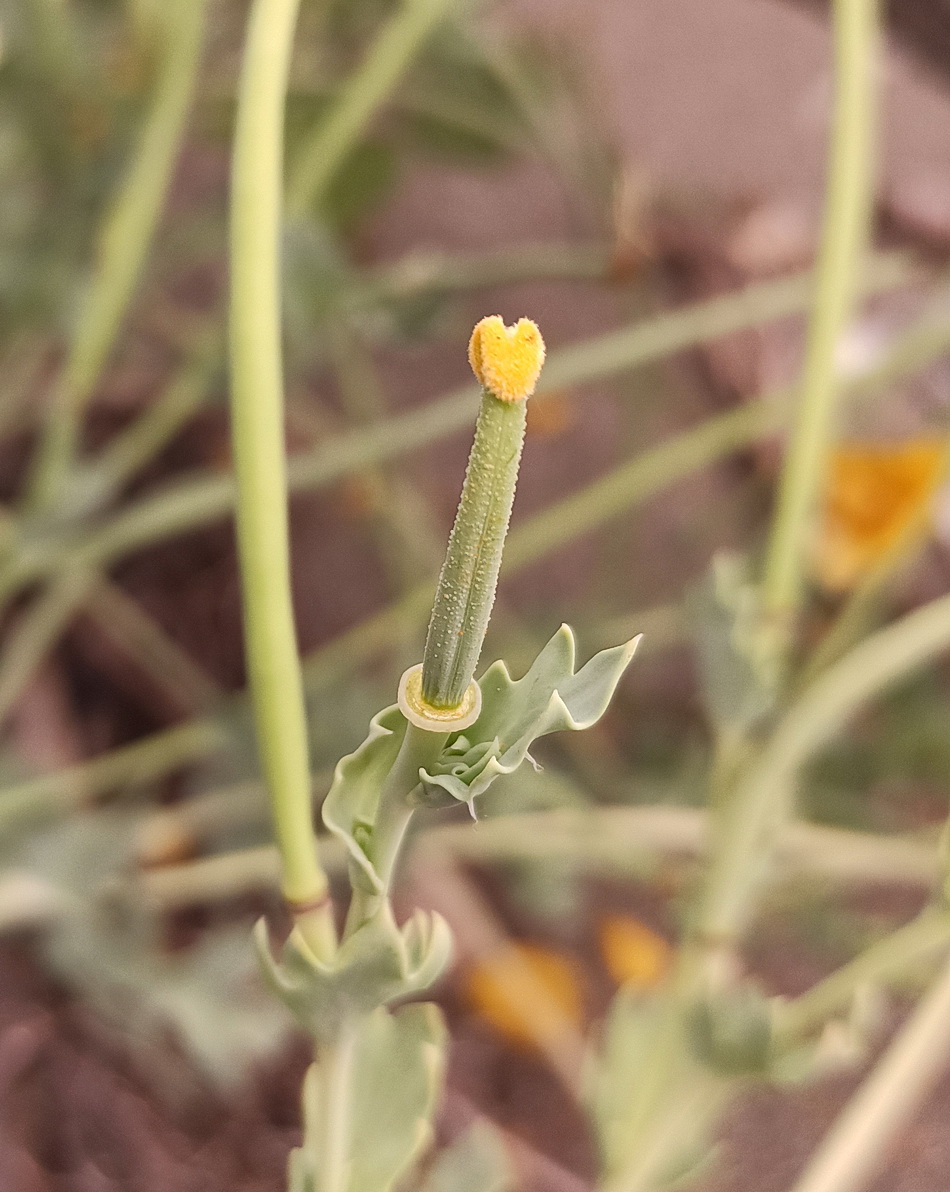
[
  {"x": 515, "y": 713},
  {"x": 396, "y": 1064},
  {"x": 377, "y": 964},
  {"x": 475, "y": 1162}
]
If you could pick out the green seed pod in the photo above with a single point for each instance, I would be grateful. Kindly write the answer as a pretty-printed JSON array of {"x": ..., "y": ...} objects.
[{"x": 507, "y": 361}]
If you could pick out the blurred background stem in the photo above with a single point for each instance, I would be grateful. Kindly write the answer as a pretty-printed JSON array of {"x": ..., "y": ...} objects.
[
  {"x": 884, "y": 658},
  {"x": 844, "y": 243},
  {"x": 365, "y": 89},
  {"x": 850, "y": 1155},
  {"x": 124, "y": 240}
]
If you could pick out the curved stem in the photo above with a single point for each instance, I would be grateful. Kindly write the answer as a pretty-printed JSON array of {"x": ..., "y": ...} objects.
[
  {"x": 890, "y": 957},
  {"x": 880, "y": 661},
  {"x": 258, "y": 436},
  {"x": 844, "y": 240}
]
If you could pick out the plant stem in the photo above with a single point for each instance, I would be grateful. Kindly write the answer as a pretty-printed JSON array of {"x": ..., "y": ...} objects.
[
  {"x": 131, "y": 765},
  {"x": 844, "y": 241},
  {"x": 124, "y": 241},
  {"x": 852, "y": 1152},
  {"x": 890, "y": 957},
  {"x": 439, "y": 273},
  {"x": 638, "y": 479},
  {"x": 877, "y": 663},
  {"x": 365, "y": 89},
  {"x": 37, "y": 631},
  {"x": 258, "y": 438},
  {"x": 335, "y": 1109},
  {"x": 131, "y": 449},
  {"x": 614, "y": 842},
  {"x": 420, "y": 750},
  {"x": 125, "y": 623},
  {"x": 398, "y": 515}
]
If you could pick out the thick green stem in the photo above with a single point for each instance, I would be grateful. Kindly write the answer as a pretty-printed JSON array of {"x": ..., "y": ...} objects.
[
  {"x": 844, "y": 242},
  {"x": 125, "y": 238},
  {"x": 258, "y": 437},
  {"x": 420, "y": 750}
]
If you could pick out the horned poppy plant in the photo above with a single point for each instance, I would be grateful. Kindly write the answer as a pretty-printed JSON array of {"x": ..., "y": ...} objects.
[{"x": 875, "y": 494}]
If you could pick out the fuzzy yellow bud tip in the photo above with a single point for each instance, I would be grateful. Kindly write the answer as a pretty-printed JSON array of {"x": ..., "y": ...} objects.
[{"x": 507, "y": 360}]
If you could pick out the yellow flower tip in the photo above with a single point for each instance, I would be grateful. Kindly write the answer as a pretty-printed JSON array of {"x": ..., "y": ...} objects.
[
  {"x": 634, "y": 955},
  {"x": 529, "y": 994},
  {"x": 507, "y": 360}
]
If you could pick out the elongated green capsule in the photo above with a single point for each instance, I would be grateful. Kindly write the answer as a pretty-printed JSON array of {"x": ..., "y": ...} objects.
[{"x": 507, "y": 361}]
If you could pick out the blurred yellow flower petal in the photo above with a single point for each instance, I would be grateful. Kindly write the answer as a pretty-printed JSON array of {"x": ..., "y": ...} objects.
[
  {"x": 633, "y": 954},
  {"x": 875, "y": 494},
  {"x": 527, "y": 993}
]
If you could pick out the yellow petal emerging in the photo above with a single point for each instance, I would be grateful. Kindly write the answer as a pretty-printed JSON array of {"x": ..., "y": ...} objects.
[
  {"x": 876, "y": 493},
  {"x": 633, "y": 954},
  {"x": 506, "y": 360},
  {"x": 527, "y": 993}
]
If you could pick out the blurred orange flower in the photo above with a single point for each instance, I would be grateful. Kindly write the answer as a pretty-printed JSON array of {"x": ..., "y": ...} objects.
[
  {"x": 527, "y": 993},
  {"x": 633, "y": 954},
  {"x": 875, "y": 494}
]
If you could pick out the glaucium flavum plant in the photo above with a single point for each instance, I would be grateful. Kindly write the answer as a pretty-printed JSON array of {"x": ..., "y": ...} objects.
[{"x": 370, "y": 1093}]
